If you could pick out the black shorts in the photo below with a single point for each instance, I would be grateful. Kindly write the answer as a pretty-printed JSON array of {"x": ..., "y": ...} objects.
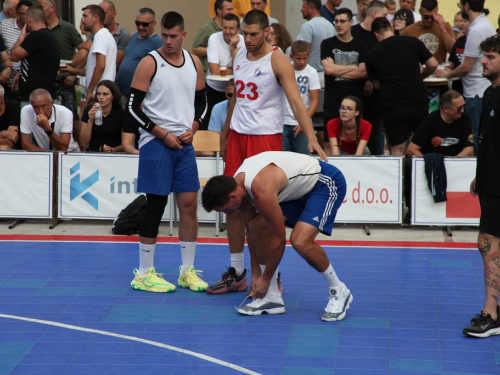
[
  {"x": 401, "y": 122},
  {"x": 490, "y": 215}
]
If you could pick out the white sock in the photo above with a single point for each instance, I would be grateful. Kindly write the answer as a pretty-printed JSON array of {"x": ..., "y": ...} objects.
[
  {"x": 237, "y": 261},
  {"x": 146, "y": 256},
  {"x": 188, "y": 249},
  {"x": 273, "y": 285},
  {"x": 331, "y": 277}
]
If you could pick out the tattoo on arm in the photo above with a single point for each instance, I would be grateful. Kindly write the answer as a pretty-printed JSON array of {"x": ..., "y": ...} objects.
[{"x": 484, "y": 246}]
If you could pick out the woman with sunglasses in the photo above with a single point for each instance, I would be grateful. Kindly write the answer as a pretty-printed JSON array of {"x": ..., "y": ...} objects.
[
  {"x": 402, "y": 19},
  {"x": 349, "y": 133}
]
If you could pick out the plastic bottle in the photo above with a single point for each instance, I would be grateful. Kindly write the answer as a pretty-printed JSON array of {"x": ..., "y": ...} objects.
[{"x": 98, "y": 115}]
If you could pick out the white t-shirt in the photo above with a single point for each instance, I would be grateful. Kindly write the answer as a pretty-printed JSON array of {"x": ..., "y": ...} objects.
[
  {"x": 219, "y": 52},
  {"x": 307, "y": 79},
  {"x": 61, "y": 117},
  {"x": 105, "y": 45},
  {"x": 314, "y": 32},
  {"x": 474, "y": 83}
]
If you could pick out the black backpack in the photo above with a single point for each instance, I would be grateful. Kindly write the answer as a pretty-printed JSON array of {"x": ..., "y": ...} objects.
[{"x": 128, "y": 220}]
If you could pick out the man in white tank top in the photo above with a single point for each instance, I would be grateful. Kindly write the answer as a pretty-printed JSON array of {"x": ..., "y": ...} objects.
[
  {"x": 254, "y": 123},
  {"x": 169, "y": 82},
  {"x": 274, "y": 189}
]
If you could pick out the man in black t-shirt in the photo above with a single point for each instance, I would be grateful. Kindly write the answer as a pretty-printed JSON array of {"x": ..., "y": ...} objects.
[
  {"x": 9, "y": 122},
  {"x": 343, "y": 59},
  {"x": 394, "y": 68},
  {"x": 40, "y": 54},
  {"x": 486, "y": 185}
]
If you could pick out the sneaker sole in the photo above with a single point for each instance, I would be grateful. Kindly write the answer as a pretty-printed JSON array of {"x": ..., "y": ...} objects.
[
  {"x": 231, "y": 289},
  {"x": 193, "y": 288},
  {"x": 151, "y": 289},
  {"x": 341, "y": 316},
  {"x": 276, "y": 310},
  {"x": 491, "y": 332}
]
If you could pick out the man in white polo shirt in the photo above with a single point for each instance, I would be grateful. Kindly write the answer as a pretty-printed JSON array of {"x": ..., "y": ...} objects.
[{"x": 45, "y": 126}]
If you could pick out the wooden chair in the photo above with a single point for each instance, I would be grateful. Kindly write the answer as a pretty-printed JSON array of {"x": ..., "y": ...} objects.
[{"x": 203, "y": 141}]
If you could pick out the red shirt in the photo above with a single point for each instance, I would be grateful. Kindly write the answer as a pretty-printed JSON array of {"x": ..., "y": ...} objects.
[{"x": 349, "y": 147}]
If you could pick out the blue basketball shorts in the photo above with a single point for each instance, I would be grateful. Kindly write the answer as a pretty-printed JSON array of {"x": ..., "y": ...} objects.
[
  {"x": 163, "y": 170},
  {"x": 318, "y": 207}
]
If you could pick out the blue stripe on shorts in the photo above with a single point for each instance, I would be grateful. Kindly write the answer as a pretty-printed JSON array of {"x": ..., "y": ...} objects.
[
  {"x": 163, "y": 170},
  {"x": 318, "y": 207}
]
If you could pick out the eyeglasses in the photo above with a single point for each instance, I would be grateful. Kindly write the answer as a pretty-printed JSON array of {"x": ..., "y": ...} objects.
[
  {"x": 399, "y": 19},
  {"x": 346, "y": 109},
  {"x": 143, "y": 24},
  {"x": 341, "y": 21},
  {"x": 428, "y": 17},
  {"x": 457, "y": 109}
]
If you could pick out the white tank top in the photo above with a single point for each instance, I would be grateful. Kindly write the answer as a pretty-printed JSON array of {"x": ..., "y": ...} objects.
[
  {"x": 301, "y": 170},
  {"x": 260, "y": 101},
  {"x": 169, "y": 101}
]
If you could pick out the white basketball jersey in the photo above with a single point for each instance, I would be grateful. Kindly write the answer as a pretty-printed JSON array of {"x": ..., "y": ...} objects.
[
  {"x": 301, "y": 170},
  {"x": 259, "y": 98},
  {"x": 169, "y": 101}
]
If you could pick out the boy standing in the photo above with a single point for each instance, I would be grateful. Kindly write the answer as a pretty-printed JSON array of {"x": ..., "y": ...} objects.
[{"x": 308, "y": 82}]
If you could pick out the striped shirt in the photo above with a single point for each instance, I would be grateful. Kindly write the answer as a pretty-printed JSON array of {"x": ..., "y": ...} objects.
[{"x": 10, "y": 33}]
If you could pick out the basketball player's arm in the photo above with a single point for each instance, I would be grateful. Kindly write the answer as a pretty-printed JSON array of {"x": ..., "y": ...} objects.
[
  {"x": 224, "y": 135},
  {"x": 138, "y": 88},
  {"x": 265, "y": 187},
  {"x": 286, "y": 78},
  {"x": 200, "y": 103}
]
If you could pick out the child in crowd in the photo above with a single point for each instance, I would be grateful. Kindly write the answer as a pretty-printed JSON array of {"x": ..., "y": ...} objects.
[
  {"x": 391, "y": 7},
  {"x": 457, "y": 24},
  {"x": 349, "y": 133},
  {"x": 308, "y": 81}
]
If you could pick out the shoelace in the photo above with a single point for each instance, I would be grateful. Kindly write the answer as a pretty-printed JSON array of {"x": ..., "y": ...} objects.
[
  {"x": 152, "y": 275},
  {"x": 241, "y": 304},
  {"x": 194, "y": 274},
  {"x": 333, "y": 303}
]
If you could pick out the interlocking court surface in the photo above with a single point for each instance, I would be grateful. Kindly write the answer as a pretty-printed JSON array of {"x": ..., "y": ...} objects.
[{"x": 66, "y": 307}]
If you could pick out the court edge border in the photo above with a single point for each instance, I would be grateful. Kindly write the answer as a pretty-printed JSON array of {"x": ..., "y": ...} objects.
[{"x": 224, "y": 241}]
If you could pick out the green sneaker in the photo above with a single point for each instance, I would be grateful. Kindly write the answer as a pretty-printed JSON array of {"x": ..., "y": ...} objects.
[
  {"x": 151, "y": 282},
  {"x": 191, "y": 280}
]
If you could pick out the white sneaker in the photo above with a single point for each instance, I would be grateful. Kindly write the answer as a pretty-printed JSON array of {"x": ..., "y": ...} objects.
[
  {"x": 340, "y": 299},
  {"x": 272, "y": 303}
]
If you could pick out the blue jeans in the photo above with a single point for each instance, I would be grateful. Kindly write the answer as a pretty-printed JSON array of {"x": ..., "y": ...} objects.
[
  {"x": 473, "y": 109},
  {"x": 295, "y": 144}
]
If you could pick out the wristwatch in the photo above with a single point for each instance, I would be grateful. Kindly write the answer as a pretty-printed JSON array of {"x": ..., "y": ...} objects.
[{"x": 49, "y": 132}]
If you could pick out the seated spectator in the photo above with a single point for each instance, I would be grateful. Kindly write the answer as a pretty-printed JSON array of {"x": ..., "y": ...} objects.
[
  {"x": 402, "y": 19},
  {"x": 45, "y": 125},
  {"x": 106, "y": 137},
  {"x": 9, "y": 122},
  {"x": 447, "y": 131},
  {"x": 349, "y": 134},
  {"x": 219, "y": 112},
  {"x": 279, "y": 36},
  {"x": 308, "y": 82}
]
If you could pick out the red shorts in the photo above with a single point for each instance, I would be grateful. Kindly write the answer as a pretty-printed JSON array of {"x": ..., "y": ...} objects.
[{"x": 242, "y": 146}]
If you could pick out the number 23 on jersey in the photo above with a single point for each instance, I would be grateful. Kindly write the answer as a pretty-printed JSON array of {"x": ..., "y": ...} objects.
[{"x": 251, "y": 92}]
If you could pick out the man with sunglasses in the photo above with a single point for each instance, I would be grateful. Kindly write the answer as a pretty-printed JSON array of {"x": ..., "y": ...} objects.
[
  {"x": 143, "y": 41},
  {"x": 433, "y": 31},
  {"x": 219, "y": 112}
]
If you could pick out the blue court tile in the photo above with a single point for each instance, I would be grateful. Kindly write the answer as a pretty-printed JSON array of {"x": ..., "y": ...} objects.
[
  {"x": 295, "y": 361},
  {"x": 173, "y": 327},
  {"x": 198, "y": 370},
  {"x": 98, "y": 358},
  {"x": 47, "y": 357},
  {"x": 50, "y": 347},
  {"x": 305, "y": 370},
  {"x": 365, "y": 323},
  {"x": 451, "y": 263},
  {"x": 416, "y": 354},
  {"x": 415, "y": 365},
  {"x": 363, "y": 342},
  {"x": 260, "y": 339},
  {"x": 92, "y": 369},
  {"x": 17, "y": 337},
  {"x": 467, "y": 356},
  {"x": 65, "y": 336},
  {"x": 362, "y": 332},
  {"x": 469, "y": 367},
  {"x": 427, "y": 334},
  {"x": 272, "y": 329},
  {"x": 108, "y": 292},
  {"x": 351, "y": 351},
  {"x": 406, "y": 343},
  {"x": 18, "y": 284},
  {"x": 128, "y": 318},
  {"x": 135, "y": 309},
  {"x": 124, "y": 328},
  {"x": 144, "y": 369},
  {"x": 413, "y": 323},
  {"x": 251, "y": 350},
  {"x": 360, "y": 363},
  {"x": 15, "y": 348},
  {"x": 327, "y": 340},
  {"x": 356, "y": 372},
  {"x": 54, "y": 291},
  {"x": 41, "y": 307},
  {"x": 10, "y": 358},
  {"x": 466, "y": 343},
  {"x": 38, "y": 369},
  {"x": 168, "y": 357}
]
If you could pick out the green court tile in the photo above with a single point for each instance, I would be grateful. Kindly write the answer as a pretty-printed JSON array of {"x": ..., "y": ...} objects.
[
  {"x": 310, "y": 351},
  {"x": 5, "y": 369},
  {"x": 497, "y": 357},
  {"x": 306, "y": 370},
  {"x": 414, "y": 365},
  {"x": 451, "y": 263},
  {"x": 11, "y": 358},
  {"x": 317, "y": 330},
  {"x": 365, "y": 323},
  {"x": 327, "y": 340},
  {"x": 110, "y": 292},
  {"x": 58, "y": 292},
  {"x": 15, "y": 347}
]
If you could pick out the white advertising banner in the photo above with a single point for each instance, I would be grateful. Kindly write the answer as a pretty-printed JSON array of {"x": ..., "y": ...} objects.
[
  {"x": 460, "y": 208},
  {"x": 99, "y": 186},
  {"x": 374, "y": 189},
  {"x": 27, "y": 184}
]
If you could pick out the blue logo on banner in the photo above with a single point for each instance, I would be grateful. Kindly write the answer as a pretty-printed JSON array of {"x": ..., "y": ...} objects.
[{"x": 78, "y": 187}]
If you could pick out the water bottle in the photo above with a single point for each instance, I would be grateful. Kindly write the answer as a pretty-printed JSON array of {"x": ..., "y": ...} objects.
[{"x": 98, "y": 115}]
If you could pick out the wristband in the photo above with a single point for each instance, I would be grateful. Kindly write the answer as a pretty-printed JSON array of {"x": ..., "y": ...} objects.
[
  {"x": 49, "y": 132},
  {"x": 163, "y": 138}
]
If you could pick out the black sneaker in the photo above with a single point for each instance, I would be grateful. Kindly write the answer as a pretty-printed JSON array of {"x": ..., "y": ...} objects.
[
  {"x": 230, "y": 281},
  {"x": 476, "y": 318},
  {"x": 483, "y": 326}
]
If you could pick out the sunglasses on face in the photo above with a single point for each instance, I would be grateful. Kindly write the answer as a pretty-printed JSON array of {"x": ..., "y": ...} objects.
[
  {"x": 143, "y": 24},
  {"x": 428, "y": 17}
]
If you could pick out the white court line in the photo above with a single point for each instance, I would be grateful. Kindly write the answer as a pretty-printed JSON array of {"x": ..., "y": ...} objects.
[{"x": 137, "y": 339}]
